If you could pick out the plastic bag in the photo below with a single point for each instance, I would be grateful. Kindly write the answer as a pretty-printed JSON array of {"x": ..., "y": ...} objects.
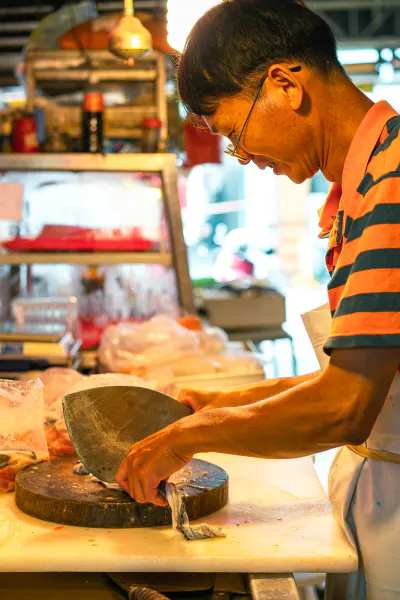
[
  {"x": 55, "y": 381},
  {"x": 136, "y": 349},
  {"x": 56, "y": 431},
  {"x": 239, "y": 363},
  {"x": 106, "y": 380},
  {"x": 195, "y": 365},
  {"x": 22, "y": 439},
  {"x": 213, "y": 340},
  {"x": 162, "y": 350}
]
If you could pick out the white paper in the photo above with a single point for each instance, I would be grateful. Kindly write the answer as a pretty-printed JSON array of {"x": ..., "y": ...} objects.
[
  {"x": 11, "y": 198},
  {"x": 318, "y": 324}
]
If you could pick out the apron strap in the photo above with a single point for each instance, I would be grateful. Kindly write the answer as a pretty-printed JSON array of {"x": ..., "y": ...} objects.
[{"x": 388, "y": 457}]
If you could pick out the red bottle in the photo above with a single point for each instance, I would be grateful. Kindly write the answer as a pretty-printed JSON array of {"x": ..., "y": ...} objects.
[
  {"x": 24, "y": 138},
  {"x": 151, "y": 135}
]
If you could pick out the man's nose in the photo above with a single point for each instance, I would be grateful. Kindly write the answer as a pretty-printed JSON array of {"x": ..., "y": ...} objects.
[{"x": 247, "y": 158}]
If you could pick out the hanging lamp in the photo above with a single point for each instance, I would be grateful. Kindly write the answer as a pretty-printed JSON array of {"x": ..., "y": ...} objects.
[{"x": 129, "y": 39}]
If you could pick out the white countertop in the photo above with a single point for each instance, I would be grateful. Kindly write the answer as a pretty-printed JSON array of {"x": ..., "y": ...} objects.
[{"x": 278, "y": 520}]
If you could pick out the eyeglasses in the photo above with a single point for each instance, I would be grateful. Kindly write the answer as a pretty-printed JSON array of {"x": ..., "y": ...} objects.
[{"x": 231, "y": 150}]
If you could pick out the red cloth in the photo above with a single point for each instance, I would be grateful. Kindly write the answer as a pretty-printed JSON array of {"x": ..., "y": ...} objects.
[{"x": 201, "y": 145}]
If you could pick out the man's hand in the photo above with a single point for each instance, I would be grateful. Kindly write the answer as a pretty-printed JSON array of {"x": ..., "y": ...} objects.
[{"x": 150, "y": 461}]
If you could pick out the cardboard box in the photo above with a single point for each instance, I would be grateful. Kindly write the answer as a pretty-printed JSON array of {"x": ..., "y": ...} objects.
[{"x": 263, "y": 311}]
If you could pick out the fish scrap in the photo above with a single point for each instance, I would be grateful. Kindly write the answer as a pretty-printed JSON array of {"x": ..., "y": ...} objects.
[{"x": 180, "y": 519}]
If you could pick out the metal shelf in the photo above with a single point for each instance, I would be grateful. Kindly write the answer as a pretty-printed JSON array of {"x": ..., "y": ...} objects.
[
  {"x": 86, "y": 258},
  {"x": 94, "y": 66}
]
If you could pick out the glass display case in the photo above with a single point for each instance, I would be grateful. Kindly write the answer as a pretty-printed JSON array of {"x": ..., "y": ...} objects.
[{"x": 106, "y": 229}]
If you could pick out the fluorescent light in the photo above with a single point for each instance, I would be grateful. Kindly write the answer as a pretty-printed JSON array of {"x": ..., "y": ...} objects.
[
  {"x": 358, "y": 56},
  {"x": 387, "y": 54},
  {"x": 386, "y": 73},
  {"x": 397, "y": 53},
  {"x": 182, "y": 15}
]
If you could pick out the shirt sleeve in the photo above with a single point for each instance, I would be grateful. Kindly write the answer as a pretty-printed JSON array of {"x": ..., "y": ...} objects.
[{"x": 364, "y": 291}]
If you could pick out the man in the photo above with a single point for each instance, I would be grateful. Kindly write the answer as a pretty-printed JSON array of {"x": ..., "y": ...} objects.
[{"x": 264, "y": 73}]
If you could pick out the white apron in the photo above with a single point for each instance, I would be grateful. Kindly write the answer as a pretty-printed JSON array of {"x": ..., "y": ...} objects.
[{"x": 365, "y": 493}]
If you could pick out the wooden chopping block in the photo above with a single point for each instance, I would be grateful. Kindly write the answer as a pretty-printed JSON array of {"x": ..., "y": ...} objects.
[{"x": 52, "y": 492}]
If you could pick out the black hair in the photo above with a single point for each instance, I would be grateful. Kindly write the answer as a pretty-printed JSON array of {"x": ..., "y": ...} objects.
[{"x": 238, "y": 39}]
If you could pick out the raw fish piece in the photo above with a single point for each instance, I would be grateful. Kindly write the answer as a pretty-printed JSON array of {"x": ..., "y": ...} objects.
[
  {"x": 79, "y": 469},
  {"x": 180, "y": 520},
  {"x": 109, "y": 486}
]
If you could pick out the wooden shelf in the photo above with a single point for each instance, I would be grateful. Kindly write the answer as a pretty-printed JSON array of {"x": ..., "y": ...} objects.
[
  {"x": 86, "y": 258},
  {"x": 62, "y": 74},
  {"x": 76, "y": 161}
]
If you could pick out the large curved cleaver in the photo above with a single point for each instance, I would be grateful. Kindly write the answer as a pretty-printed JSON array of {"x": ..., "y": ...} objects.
[{"x": 103, "y": 423}]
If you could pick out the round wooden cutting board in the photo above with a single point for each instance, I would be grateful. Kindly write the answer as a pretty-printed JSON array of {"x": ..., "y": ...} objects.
[{"x": 52, "y": 492}]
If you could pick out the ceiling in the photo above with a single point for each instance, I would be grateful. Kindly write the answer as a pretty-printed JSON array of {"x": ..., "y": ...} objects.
[{"x": 355, "y": 23}]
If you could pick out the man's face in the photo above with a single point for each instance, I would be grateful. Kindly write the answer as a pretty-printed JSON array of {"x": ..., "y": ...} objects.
[{"x": 280, "y": 131}]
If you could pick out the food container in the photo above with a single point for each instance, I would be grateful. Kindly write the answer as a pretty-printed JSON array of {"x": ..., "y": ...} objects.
[{"x": 151, "y": 135}]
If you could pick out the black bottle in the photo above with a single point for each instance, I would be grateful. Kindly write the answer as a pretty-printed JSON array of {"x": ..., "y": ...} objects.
[{"x": 92, "y": 123}]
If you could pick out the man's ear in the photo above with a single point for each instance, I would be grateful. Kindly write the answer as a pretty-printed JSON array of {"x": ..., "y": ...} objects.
[{"x": 291, "y": 85}]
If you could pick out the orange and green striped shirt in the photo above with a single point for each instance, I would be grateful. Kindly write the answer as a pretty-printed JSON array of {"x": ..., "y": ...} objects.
[{"x": 362, "y": 220}]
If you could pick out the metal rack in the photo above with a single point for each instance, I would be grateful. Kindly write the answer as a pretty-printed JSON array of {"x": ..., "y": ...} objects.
[
  {"x": 162, "y": 164},
  {"x": 94, "y": 67}
]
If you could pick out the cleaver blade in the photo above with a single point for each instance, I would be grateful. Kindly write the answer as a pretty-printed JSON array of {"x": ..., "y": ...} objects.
[{"x": 103, "y": 423}]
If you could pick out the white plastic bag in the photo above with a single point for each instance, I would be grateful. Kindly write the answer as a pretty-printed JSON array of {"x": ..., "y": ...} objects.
[
  {"x": 163, "y": 350},
  {"x": 239, "y": 363},
  {"x": 195, "y": 365},
  {"x": 106, "y": 380},
  {"x": 136, "y": 349},
  {"x": 56, "y": 380},
  {"x": 213, "y": 340},
  {"x": 22, "y": 439}
]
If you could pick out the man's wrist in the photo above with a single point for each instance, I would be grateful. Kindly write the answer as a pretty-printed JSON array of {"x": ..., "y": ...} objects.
[{"x": 192, "y": 434}]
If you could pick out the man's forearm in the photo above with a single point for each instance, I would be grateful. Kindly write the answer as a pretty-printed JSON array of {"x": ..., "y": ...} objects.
[
  {"x": 269, "y": 388},
  {"x": 309, "y": 418}
]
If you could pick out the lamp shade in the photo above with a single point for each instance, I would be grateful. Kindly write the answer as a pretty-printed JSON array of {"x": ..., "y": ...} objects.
[{"x": 130, "y": 39}]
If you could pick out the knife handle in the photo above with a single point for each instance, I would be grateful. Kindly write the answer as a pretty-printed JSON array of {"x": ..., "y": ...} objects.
[
  {"x": 162, "y": 488},
  {"x": 142, "y": 593}
]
